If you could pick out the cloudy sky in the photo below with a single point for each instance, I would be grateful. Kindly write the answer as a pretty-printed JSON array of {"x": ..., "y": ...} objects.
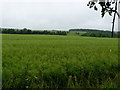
[{"x": 52, "y": 15}]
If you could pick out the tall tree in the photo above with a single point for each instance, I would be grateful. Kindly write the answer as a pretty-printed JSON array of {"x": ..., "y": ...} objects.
[{"x": 108, "y": 6}]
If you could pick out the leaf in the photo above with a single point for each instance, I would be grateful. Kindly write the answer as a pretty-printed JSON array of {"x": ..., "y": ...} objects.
[
  {"x": 95, "y": 8},
  {"x": 102, "y": 4},
  {"x": 108, "y": 4},
  {"x": 110, "y": 13},
  {"x": 103, "y": 14},
  {"x": 88, "y": 4},
  {"x": 113, "y": 2}
]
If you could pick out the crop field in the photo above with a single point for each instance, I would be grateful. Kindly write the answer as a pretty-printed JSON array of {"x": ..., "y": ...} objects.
[{"x": 56, "y": 61}]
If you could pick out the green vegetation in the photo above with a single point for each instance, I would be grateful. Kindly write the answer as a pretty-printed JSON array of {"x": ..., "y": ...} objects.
[
  {"x": 94, "y": 33},
  {"x": 73, "y": 32},
  {"x": 99, "y": 34},
  {"x": 87, "y": 30},
  {"x": 28, "y": 31},
  {"x": 56, "y": 61}
]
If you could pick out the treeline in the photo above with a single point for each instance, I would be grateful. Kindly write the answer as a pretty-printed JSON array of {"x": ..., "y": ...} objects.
[
  {"x": 28, "y": 31},
  {"x": 101, "y": 34},
  {"x": 96, "y": 33},
  {"x": 86, "y": 30}
]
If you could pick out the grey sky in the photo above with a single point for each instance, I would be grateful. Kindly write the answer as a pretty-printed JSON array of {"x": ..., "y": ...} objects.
[{"x": 52, "y": 14}]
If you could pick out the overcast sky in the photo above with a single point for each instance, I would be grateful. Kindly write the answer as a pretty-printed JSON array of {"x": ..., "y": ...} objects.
[{"x": 52, "y": 14}]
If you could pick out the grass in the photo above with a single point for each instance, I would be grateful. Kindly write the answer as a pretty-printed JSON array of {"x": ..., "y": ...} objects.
[{"x": 53, "y": 61}]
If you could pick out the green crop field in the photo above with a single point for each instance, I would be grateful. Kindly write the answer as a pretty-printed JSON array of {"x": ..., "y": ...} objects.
[{"x": 54, "y": 61}]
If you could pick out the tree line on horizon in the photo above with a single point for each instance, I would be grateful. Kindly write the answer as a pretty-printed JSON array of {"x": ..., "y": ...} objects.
[
  {"x": 88, "y": 32},
  {"x": 96, "y": 33},
  {"x": 28, "y": 31},
  {"x": 101, "y": 34}
]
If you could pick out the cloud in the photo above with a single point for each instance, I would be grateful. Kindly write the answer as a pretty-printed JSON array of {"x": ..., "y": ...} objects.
[
  {"x": 40, "y": 1},
  {"x": 52, "y": 15}
]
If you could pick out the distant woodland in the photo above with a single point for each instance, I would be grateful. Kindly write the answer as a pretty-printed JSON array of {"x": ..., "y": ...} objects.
[
  {"x": 96, "y": 33},
  {"x": 28, "y": 31},
  {"x": 88, "y": 32}
]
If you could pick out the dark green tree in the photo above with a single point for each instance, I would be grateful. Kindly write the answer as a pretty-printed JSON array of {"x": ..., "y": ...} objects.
[{"x": 108, "y": 6}]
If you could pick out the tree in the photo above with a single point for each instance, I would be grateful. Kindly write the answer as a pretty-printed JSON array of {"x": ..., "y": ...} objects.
[{"x": 108, "y": 6}]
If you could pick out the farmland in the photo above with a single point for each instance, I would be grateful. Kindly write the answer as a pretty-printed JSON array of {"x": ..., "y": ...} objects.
[{"x": 56, "y": 61}]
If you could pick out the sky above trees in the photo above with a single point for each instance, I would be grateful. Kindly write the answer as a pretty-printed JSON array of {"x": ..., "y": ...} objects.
[{"x": 52, "y": 14}]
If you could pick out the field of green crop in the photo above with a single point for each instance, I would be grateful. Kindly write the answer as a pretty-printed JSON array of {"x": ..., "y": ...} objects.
[{"x": 54, "y": 61}]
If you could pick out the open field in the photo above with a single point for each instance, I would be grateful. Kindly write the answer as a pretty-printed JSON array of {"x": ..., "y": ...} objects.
[{"x": 54, "y": 61}]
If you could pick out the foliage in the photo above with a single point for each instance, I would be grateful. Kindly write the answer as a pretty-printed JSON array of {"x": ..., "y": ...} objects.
[
  {"x": 112, "y": 83},
  {"x": 86, "y": 30},
  {"x": 106, "y": 5},
  {"x": 28, "y": 31},
  {"x": 94, "y": 33},
  {"x": 51, "y": 61},
  {"x": 100, "y": 34}
]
